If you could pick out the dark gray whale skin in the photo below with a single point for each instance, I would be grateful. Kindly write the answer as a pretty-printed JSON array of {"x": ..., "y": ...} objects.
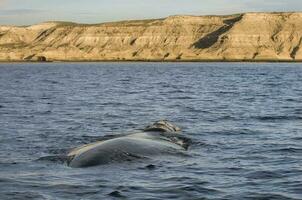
[{"x": 145, "y": 144}]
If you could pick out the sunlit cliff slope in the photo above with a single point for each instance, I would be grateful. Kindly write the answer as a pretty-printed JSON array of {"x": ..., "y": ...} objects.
[{"x": 250, "y": 37}]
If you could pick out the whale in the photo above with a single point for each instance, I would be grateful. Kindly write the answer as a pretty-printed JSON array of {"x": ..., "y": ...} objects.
[{"x": 158, "y": 139}]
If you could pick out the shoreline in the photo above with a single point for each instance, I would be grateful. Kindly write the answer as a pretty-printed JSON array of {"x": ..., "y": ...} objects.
[{"x": 160, "y": 61}]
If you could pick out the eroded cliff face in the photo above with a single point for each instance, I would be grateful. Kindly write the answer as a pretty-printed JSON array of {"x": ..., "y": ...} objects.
[{"x": 250, "y": 36}]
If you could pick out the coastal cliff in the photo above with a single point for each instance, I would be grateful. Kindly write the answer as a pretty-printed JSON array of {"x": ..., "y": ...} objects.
[{"x": 240, "y": 37}]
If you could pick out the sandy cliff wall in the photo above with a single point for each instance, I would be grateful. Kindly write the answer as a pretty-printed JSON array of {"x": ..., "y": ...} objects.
[{"x": 251, "y": 36}]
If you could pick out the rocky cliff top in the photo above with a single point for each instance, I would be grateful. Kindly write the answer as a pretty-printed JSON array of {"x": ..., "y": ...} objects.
[{"x": 249, "y": 36}]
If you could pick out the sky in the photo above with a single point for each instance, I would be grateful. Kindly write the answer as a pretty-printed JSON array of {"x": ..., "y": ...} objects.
[{"x": 26, "y": 12}]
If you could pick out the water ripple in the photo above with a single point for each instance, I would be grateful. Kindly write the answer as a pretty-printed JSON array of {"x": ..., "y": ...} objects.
[{"x": 244, "y": 120}]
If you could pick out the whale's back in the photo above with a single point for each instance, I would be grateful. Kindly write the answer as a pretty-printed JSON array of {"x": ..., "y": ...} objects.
[{"x": 120, "y": 149}]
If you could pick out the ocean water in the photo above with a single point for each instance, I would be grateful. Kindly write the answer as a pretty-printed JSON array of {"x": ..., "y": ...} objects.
[{"x": 245, "y": 121}]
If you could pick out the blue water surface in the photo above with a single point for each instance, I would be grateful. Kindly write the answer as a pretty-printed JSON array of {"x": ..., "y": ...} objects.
[{"x": 245, "y": 120}]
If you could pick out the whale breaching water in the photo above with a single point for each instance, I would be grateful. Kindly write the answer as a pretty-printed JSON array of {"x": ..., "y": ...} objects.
[{"x": 157, "y": 139}]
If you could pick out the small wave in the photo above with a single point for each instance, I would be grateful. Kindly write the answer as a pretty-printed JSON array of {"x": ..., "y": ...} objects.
[
  {"x": 64, "y": 186},
  {"x": 46, "y": 112},
  {"x": 289, "y": 150},
  {"x": 265, "y": 196},
  {"x": 45, "y": 98},
  {"x": 200, "y": 189},
  {"x": 277, "y": 118},
  {"x": 273, "y": 84},
  {"x": 184, "y": 97},
  {"x": 76, "y": 127},
  {"x": 151, "y": 167},
  {"x": 8, "y": 163},
  {"x": 5, "y": 180},
  {"x": 226, "y": 118},
  {"x": 116, "y": 193},
  {"x": 51, "y": 81},
  {"x": 55, "y": 159},
  {"x": 203, "y": 145},
  {"x": 124, "y": 80},
  {"x": 194, "y": 110},
  {"x": 187, "y": 180},
  {"x": 226, "y": 92},
  {"x": 292, "y": 100},
  {"x": 263, "y": 175},
  {"x": 21, "y": 195},
  {"x": 294, "y": 186},
  {"x": 298, "y": 111},
  {"x": 184, "y": 190},
  {"x": 242, "y": 131},
  {"x": 58, "y": 151},
  {"x": 112, "y": 103}
]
